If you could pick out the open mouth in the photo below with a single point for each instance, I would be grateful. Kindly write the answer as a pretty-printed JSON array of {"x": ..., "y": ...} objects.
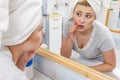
[
  {"x": 80, "y": 26},
  {"x": 41, "y": 43}
]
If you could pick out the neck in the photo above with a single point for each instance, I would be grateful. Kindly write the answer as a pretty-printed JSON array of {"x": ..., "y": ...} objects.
[{"x": 16, "y": 52}]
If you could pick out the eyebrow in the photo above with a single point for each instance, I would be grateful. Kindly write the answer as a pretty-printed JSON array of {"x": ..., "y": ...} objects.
[
  {"x": 81, "y": 12},
  {"x": 89, "y": 13},
  {"x": 78, "y": 11}
]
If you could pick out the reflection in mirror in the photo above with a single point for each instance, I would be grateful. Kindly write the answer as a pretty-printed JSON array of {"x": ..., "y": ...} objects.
[
  {"x": 60, "y": 68},
  {"x": 92, "y": 41},
  {"x": 53, "y": 25}
]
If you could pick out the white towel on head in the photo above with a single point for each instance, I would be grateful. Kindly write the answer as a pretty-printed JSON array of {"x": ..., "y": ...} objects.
[
  {"x": 96, "y": 5},
  {"x": 4, "y": 17},
  {"x": 24, "y": 19},
  {"x": 72, "y": 5}
]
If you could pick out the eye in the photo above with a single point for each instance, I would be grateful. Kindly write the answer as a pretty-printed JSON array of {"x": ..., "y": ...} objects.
[
  {"x": 88, "y": 16},
  {"x": 40, "y": 28},
  {"x": 78, "y": 14}
]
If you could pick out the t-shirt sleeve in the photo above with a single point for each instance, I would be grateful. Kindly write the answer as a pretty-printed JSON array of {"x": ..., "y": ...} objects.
[
  {"x": 66, "y": 27},
  {"x": 107, "y": 43}
]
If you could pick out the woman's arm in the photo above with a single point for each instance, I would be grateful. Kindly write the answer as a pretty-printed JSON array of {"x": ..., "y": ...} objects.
[
  {"x": 66, "y": 47},
  {"x": 109, "y": 62}
]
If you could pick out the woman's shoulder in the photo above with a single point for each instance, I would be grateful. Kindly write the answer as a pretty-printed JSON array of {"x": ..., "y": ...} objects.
[
  {"x": 4, "y": 65},
  {"x": 101, "y": 28},
  {"x": 5, "y": 59},
  {"x": 8, "y": 68},
  {"x": 68, "y": 22}
]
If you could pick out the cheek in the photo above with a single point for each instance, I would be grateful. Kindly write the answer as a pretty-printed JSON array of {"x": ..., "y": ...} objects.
[
  {"x": 39, "y": 38},
  {"x": 75, "y": 19},
  {"x": 36, "y": 39},
  {"x": 90, "y": 22},
  {"x": 33, "y": 42}
]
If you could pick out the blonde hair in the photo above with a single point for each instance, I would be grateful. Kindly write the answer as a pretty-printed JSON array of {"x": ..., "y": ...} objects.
[{"x": 83, "y": 2}]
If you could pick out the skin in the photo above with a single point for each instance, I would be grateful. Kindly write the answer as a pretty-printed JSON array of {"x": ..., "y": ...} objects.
[
  {"x": 23, "y": 52},
  {"x": 84, "y": 16}
]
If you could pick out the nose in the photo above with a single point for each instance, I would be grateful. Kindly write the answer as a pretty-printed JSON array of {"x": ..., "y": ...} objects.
[
  {"x": 43, "y": 32},
  {"x": 82, "y": 19}
]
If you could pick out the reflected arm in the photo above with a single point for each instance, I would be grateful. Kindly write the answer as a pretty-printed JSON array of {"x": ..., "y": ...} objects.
[
  {"x": 66, "y": 47},
  {"x": 109, "y": 62}
]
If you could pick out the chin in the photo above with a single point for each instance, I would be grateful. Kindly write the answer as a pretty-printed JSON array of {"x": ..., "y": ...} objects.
[
  {"x": 34, "y": 49},
  {"x": 81, "y": 30}
]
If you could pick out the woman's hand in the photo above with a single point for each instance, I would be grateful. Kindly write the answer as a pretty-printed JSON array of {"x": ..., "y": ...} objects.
[{"x": 23, "y": 59}]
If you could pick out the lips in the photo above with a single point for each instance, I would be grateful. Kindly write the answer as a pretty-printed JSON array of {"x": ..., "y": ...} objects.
[
  {"x": 41, "y": 43},
  {"x": 80, "y": 26},
  {"x": 74, "y": 27}
]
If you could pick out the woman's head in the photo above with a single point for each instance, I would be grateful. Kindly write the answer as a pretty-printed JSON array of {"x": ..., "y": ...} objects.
[
  {"x": 35, "y": 39},
  {"x": 25, "y": 26},
  {"x": 22, "y": 22},
  {"x": 83, "y": 15},
  {"x": 95, "y": 4},
  {"x": 84, "y": 3},
  {"x": 32, "y": 43}
]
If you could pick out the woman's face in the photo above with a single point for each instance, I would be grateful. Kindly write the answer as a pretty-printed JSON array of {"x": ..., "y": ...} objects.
[
  {"x": 83, "y": 17},
  {"x": 35, "y": 39}
]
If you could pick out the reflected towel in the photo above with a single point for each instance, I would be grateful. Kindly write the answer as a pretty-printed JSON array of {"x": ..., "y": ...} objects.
[{"x": 95, "y": 4}]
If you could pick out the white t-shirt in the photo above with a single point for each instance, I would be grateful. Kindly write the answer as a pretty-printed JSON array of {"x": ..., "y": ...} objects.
[
  {"x": 100, "y": 41},
  {"x": 8, "y": 69}
]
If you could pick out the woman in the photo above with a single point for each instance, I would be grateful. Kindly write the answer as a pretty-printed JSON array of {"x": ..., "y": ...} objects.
[
  {"x": 21, "y": 37},
  {"x": 91, "y": 39}
]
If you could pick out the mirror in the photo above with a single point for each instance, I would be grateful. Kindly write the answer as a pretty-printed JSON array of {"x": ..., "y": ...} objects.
[
  {"x": 53, "y": 41},
  {"x": 60, "y": 68}
]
